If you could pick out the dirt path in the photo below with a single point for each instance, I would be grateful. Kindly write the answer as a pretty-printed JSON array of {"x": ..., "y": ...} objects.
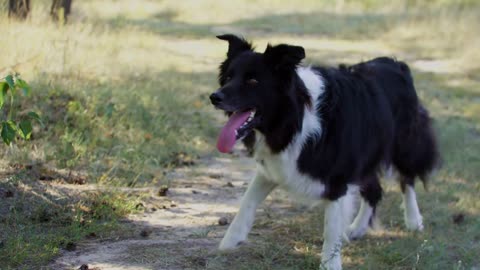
[{"x": 177, "y": 229}]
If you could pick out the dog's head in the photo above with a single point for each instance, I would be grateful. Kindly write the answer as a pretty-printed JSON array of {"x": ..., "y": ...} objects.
[{"x": 253, "y": 87}]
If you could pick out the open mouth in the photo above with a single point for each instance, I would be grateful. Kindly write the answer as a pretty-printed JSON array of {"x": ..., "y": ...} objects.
[{"x": 239, "y": 124}]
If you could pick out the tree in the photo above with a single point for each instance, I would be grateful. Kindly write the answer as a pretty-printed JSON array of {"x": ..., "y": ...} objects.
[
  {"x": 18, "y": 9},
  {"x": 60, "y": 10}
]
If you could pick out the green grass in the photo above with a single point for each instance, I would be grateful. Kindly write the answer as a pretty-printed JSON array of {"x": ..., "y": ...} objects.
[
  {"x": 123, "y": 92},
  {"x": 124, "y": 131},
  {"x": 37, "y": 221}
]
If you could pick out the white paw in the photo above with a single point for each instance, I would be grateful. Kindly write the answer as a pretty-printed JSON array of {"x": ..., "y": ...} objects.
[
  {"x": 355, "y": 232},
  {"x": 333, "y": 263},
  {"x": 414, "y": 223},
  {"x": 229, "y": 242}
]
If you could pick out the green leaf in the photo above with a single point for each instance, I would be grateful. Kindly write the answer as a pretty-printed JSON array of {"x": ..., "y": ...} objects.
[
  {"x": 109, "y": 110},
  {"x": 25, "y": 129},
  {"x": 4, "y": 86},
  {"x": 36, "y": 117},
  {"x": 10, "y": 82},
  {"x": 3, "y": 92},
  {"x": 24, "y": 86},
  {"x": 8, "y": 131}
]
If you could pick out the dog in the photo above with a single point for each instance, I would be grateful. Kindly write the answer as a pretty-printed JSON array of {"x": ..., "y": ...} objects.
[{"x": 323, "y": 133}]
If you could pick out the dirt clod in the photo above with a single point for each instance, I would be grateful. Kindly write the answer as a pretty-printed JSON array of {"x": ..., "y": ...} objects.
[
  {"x": 163, "y": 191},
  {"x": 77, "y": 180},
  {"x": 222, "y": 221},
  {"x": 145, "y": 233},
  {"x": 458, "y": 218},
  {"x": 85, "y": 267},
  {"x": 182, "y": 159},
  {"x": 71, "y": 246},
  {"x": 5, "y": 193},
  {"x": 45, "y": 178},
  {"x": 200, "y": 261}
]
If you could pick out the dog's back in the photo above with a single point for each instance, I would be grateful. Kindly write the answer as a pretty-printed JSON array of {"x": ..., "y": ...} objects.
[{"x": 414, "y": 150}]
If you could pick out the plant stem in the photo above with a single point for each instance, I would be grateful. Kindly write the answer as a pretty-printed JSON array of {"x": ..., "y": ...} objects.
[{"x": 10, "y": 111}]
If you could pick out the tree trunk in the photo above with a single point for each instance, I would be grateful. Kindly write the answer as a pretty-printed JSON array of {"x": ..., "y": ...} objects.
[
  {"x": 18, "y": 9},
  {"x": 60, "y": 10}
]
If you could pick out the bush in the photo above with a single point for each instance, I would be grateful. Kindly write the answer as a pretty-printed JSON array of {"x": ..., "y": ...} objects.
[{"x": 15, "y": 126}]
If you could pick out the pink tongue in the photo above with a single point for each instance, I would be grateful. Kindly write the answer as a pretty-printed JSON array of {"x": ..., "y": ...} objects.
[{"x": 227, "y": 137}]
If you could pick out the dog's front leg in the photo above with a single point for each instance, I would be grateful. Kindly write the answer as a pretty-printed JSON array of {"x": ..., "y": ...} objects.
[
  {"x": 238, "y": 231},
  {"x": 336, "y": 218}
]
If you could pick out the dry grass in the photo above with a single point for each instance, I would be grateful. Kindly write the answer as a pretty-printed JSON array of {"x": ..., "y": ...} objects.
[{"x": 125, "y": 86}]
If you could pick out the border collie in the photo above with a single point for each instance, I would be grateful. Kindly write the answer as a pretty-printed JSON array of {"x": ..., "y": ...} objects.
[{"x": 323, "y": 133}]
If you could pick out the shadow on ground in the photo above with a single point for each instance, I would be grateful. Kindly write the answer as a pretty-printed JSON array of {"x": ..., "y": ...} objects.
[{"x": 320, "y": 24}]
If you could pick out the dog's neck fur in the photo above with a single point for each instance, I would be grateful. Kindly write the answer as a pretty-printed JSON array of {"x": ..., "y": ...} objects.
[{"x": 303, "y": 89}]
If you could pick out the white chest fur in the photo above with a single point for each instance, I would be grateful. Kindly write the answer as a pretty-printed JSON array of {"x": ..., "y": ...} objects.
[{"x": 282, "y": 168}]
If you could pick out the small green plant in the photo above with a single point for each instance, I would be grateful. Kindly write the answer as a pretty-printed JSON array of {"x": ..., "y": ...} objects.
[{"x": 11, "y": 124}]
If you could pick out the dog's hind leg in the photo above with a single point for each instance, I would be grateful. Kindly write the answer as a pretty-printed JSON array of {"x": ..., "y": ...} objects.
[
  {"x": 371, "y": 194},
  {"x": 415, "y": 156},
  {"x": 412, "y": 216},
  {"x": 241, "y": 225}
]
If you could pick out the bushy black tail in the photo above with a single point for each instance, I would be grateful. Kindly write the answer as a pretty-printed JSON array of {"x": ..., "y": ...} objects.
[{"x": 416, "y": 153}]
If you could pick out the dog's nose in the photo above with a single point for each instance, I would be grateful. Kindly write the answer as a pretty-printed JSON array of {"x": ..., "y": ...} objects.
[{"x": 216, "y": 98}]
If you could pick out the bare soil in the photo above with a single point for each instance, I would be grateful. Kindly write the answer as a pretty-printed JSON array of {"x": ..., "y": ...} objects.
[{"x": 180, "y": 226}]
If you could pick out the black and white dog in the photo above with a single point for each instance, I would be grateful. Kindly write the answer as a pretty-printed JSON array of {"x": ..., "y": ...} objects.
[{"x": 323, "y": 133}]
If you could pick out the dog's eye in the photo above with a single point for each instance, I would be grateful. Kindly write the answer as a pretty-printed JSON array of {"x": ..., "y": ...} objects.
[{"x": 252, "y": 81}]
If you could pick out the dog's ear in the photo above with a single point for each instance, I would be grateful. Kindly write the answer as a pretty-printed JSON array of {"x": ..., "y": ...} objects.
[
  {"x": 236, "y": 45},
  {"x": 284, "y": 56}
]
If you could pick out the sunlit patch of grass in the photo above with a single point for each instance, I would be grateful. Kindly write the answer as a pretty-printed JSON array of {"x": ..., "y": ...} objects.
[{"x": 130, "y": 117}]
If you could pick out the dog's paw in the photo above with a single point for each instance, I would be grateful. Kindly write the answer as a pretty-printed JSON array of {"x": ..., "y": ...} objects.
[
  {"x": 414, "y": 223},
  {"x": 230, "y": 243},
  {"x": 356, "y": 232},
  {"x": 333, "y": 263}
]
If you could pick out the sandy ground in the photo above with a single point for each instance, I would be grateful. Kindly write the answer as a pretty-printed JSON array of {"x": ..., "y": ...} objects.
[{"x": 184, "y": 224}]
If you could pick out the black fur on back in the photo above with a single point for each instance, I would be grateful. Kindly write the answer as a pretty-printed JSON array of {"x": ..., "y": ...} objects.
[{"x": 371, "y": 117}]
